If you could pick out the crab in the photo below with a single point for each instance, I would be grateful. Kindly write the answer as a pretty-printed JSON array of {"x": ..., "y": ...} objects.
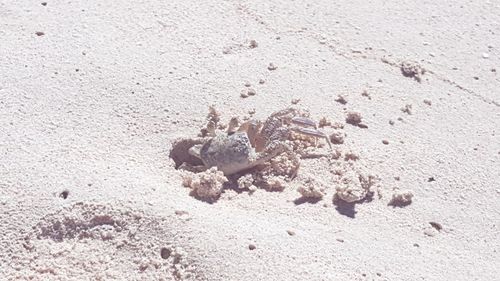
[{"x": 253, "y": 143}]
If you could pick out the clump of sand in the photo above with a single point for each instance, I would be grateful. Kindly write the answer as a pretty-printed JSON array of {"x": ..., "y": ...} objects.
[
  {"x": 413, "y": 70},
  {"x": 207, "y": 185},
  {"x": 311, "y": 189},
  {"x": 401, "y": 198},
  {"x": 354, "y": 186}
]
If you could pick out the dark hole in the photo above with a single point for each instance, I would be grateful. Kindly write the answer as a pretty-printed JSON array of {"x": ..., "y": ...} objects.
[
  {"x": 64, "y": 194},
  {"x": 165, "y": 253}
]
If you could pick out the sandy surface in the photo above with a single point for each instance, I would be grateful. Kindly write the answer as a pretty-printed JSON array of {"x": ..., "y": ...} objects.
[{"x": 92, "y": 94}]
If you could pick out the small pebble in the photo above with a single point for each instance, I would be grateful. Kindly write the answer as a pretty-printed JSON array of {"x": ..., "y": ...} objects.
[
  {"x": 272, "y": 66},
  {"x": 165, "y": 253},
  {"x": 253, "y": 44},
  {"x": 436, "y": 225},
  {"x": 428, "y": 102},
  {"x": 290, "y": 232},
  {"x": 295, "y": 101},
  {"x": 244, "y": 93},
  {"x": 385, "y": 142},
  {"x": 391, "y": 122},
  {"x": 39, "y": 33},
  {"x": 407, "y": 109},
  {"x": 485, "y": 56},
  {"x": 340, "y": 99},
  {"x": 262, "y": 81},
  {"x": 251, "y": 92},
  {"x": 247, "y": 84},
  {"x": 340, "y": 240},
  {"x": 251, "y": 247},
  {"x": 337, "y": 137},
  {"x": 44, "y": 3},
  {"x": 353, "y": 118}
]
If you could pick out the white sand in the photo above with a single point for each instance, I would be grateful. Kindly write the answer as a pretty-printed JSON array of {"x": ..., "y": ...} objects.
[{"x": 91, "y": 108}]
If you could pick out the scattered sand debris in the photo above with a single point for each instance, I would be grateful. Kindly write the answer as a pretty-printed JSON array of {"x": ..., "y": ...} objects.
[
  {"x": 337, "y": 137},
  {"x": 253, "y": 44},
  {"x": 311, "y": 188},
  {"x": 413, "y": 70},
  {"x": 351, "y": 156},
  {"x": 206, "y": 185},
  {"x": 337, "y": 125},
  {"x": 281, "y": 171},
  {"x": 341, "y": 99},
  {"x": 336, "y": 154},
  {"x": 271, "y": 66},
  {"x": 401, "y": 198},
  {"x": 407, "y": 109},
  {"x": 324, "y": 122}
]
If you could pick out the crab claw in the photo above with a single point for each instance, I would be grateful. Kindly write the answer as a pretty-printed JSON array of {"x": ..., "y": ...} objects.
[
  {"x": 303, "y": 121},
  {"x": 312, "y": 132}
]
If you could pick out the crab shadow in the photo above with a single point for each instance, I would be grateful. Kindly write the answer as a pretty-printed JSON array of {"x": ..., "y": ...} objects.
[
  {"x": 348, "y": 209},
  {"x": 304, "y": 200},
  {"x": 397, "y": 204}
]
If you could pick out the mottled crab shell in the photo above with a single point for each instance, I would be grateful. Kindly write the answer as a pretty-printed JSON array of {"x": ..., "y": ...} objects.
[{"x": 230, "y": 154}]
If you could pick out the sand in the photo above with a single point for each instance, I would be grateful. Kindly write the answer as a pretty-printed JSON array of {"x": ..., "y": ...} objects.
[{"x": 94, "y": 93}]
